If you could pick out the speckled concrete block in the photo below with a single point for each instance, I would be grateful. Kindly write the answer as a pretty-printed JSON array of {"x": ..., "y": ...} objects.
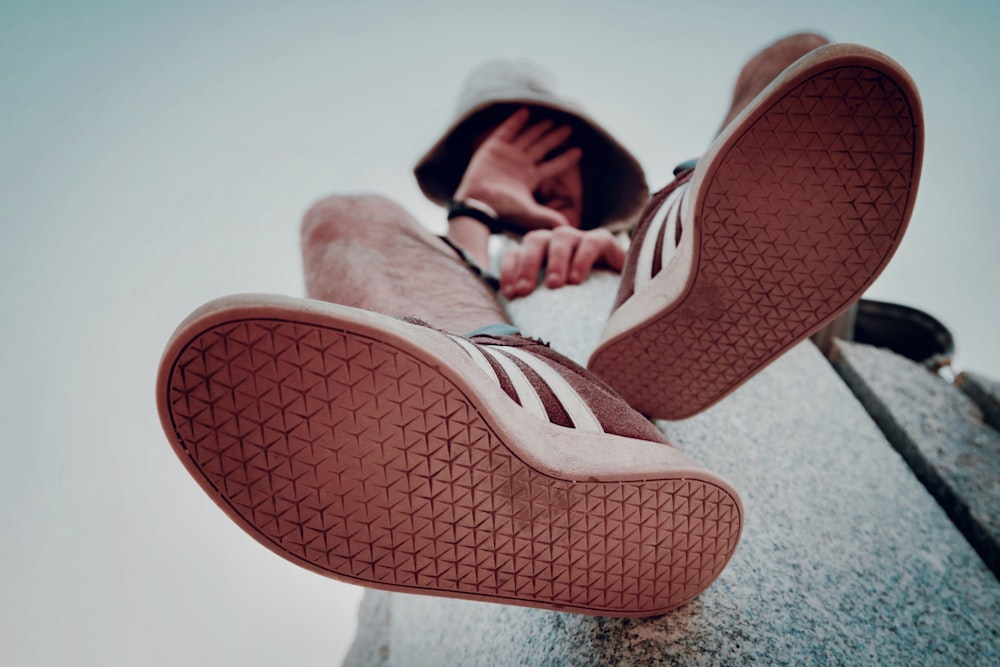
[
  {"x": 985, "y": 392},
  {"x": 845, "y": 558},
  {"x": 939, "y": 431}
]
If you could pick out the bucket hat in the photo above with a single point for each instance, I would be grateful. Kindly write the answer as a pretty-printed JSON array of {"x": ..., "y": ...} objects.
[{"x": 614, "y": 184}]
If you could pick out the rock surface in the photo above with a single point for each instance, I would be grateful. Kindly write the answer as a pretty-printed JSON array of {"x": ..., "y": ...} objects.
[
  {"x": 939, "y": 431},
  {"x": 845, "y": 558}
]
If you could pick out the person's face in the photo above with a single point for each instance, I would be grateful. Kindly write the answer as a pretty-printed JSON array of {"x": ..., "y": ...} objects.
[{"x": 564, "y": 193}]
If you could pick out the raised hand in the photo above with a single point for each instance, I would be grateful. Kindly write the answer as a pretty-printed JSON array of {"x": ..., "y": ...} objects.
[{"x": 509, "y": 165}]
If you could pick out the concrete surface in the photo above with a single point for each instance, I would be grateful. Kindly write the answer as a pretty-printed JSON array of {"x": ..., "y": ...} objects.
[
  {"x": 940, "y": 432},
  {"x": 845, "y": 558}
]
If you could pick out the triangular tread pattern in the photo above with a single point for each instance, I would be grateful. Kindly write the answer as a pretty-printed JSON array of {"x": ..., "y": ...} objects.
[
  {"x": 361, "y": 461},
  {"x": 803, "y": 212}
]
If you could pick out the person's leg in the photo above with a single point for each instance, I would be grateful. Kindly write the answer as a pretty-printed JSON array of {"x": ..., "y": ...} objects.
[
  {"x": 368, "y": 252},
  {"x": 764, "y": 68}
]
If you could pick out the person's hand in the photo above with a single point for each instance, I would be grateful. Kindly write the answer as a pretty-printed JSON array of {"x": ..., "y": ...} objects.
[
  {"x": 568, "y": 254},
  {"x": 508, "y": 166}
]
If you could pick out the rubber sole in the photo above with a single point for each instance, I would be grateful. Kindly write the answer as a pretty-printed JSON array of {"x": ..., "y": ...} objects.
[
  {"x": 793, "y": 213},
  {"x": 364, "y": 456}
]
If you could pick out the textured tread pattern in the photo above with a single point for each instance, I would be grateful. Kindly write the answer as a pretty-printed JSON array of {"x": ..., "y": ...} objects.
[
  {"x": 803, "y": 211},
  {"x": 359, "y": 460}
]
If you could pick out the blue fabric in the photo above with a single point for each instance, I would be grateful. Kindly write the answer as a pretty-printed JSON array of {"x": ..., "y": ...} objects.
[
  {"x": 685, "y": 166},
  {"x": 494, "y": 330}
]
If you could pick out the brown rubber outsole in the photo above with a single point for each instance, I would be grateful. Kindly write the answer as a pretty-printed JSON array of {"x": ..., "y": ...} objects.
[
  {"x": 796, "y": 208},
  {"x": 349, "y": 449}
]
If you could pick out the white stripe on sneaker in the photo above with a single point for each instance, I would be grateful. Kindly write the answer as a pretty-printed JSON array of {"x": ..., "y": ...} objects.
[
  {"x": 576, "y": 408},
  {"x": 644, "y": 266},
  {"x": 477, "y": 356},
  {"x": 666, "y": 215},
  {"x": 579, "y": 412},
  {"x": 526, "y": 394},
  {"x": 669, "y": 246}
]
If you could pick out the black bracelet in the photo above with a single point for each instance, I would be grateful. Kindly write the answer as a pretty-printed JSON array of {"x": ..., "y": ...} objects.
[
  {"x": 491, "y": 280},
  {"x": 477, "y": 210}
]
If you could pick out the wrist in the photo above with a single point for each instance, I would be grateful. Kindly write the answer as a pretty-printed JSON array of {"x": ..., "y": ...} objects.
[{"x": 472, "y": 236}]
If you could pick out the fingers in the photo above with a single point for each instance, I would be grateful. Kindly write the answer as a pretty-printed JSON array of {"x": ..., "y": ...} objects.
[
  {"x": 511, "y": 128},
  {"x": 533, "y": 133},
  {"x": 509, "y": 264},
  {"x": 559, "y": 163},
  {"x": 568, "y": 254},
  {"x": 548, "y": 141},
  {"x": 538, "y": 139},
  {"x": 540, "y": 136},
  {"x": 532, "y": 257},
  {"x": 520, "y": 265},
  {"x": 540, "y": 216},
  {"x": 561, "y": 247},
  {"x": 597, "y": 245}
]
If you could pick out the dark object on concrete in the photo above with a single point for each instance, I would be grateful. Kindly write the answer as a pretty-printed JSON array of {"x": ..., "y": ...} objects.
[
  {"x": 940, "y": 433},
  {"x": 985, "y": 392},
  {"x": 904, "y": 330},
  {"x": 841, "y": 328}
]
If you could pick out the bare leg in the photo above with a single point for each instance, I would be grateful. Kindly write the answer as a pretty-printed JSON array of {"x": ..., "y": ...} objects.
[
  {"x": 368, "y": 252},
  {"x": 768, "y": 64}
]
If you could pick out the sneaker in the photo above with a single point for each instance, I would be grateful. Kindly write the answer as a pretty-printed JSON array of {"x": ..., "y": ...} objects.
[
  {"x": 388, "y": 454},
  {"x": 791, "y": 214}
]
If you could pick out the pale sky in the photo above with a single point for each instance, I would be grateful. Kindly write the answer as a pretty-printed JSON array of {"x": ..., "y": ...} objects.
[{"x": 153, "y": 159}]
